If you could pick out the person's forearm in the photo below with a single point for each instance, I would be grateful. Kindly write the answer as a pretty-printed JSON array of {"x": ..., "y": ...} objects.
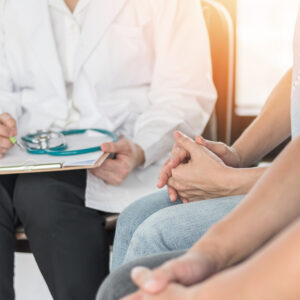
[
  {"x": 271, "y": 274},
  {"x": 240, "y": 181},
  {"x": 270, "y": 128},
  {"x": 270, "y": 206}
]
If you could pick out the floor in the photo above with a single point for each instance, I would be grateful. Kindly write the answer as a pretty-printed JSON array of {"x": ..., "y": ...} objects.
[{"x": 29, "y": 283}]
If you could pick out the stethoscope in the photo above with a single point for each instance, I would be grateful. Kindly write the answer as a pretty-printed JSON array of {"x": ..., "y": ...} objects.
[{"x": 54, "y": 143}]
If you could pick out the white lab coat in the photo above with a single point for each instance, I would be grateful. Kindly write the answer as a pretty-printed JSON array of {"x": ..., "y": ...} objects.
[{"x": 142, "y": 70}]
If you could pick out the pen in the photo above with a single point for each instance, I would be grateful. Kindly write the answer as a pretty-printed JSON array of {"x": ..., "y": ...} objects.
[{"x": 15, "y": 142}]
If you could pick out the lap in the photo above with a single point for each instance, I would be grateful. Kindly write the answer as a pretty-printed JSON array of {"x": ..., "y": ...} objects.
[
  {"x": 146, "y": 206},
  {"x": 46, "y": 198},
  {"x": 179, "y": 227},
  {"x": 47, "y": 190}
]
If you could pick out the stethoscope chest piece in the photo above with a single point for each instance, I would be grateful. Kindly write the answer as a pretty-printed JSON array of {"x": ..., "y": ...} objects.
[
  {"x": 45, "y": 140},
  {"x": 54, "y": 143}
]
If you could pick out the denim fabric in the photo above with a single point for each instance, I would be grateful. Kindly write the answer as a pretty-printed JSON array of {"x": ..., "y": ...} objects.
[
  {"x": 154, "y": 225},
  {"x": 132, "y": 217}
]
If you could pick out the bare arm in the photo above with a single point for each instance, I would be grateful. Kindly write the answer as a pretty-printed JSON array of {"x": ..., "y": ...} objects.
[
  {"x": 271, "y": 274},
  {"x": 271, "y": 206},
  {"x": 270, "y": 128}
]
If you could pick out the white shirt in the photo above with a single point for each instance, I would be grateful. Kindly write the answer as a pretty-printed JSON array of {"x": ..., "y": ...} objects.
[
  {"x": 66, "y": 28},
  {"x": 131, "y": 77}
]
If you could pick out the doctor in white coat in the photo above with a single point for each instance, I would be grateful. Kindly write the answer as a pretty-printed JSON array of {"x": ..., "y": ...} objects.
[{"x": 140, "y": 68}]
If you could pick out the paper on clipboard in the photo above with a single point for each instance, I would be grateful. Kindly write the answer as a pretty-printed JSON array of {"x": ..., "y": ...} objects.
[{"x": 17, "y": 161}]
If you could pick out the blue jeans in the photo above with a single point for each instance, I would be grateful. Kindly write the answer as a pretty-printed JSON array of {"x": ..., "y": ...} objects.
[{"x": 154, "y": 225}]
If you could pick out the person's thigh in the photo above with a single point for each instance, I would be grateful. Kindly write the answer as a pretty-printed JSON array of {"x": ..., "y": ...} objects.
[
  {"x": 178, "y": 227},
  {"x": 131, "y": 218},
  {"x": 119, "y": 284},
  {"x": 67, "y": 239}
]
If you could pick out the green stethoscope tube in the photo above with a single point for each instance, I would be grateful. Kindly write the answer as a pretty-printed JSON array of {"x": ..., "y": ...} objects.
[{"x": 60, "y": 150}]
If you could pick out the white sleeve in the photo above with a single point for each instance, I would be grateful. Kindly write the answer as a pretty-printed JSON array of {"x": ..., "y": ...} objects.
[{"x": 182, "y": 94}]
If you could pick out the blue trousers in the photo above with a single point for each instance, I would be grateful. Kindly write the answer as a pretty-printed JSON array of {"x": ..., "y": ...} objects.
[{"x": 154, "y": 225}]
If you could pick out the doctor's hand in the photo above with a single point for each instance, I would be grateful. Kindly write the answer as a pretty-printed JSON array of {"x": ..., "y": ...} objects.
[
  {"x": 8, "y": 128},
  {"x": 128, "y": 157},
  {"x": 204, "y": 176}
]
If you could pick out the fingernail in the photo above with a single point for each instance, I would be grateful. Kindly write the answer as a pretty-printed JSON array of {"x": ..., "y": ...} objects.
[
  {"x": 136, "y": 271},
  {"x": 150, "y": 285},
  {"x": 173, "y": 198}
]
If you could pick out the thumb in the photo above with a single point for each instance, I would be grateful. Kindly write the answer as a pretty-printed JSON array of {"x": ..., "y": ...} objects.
[
  {"x": 153, "y": 281},
  {"x": 185, "y": 142},
  {"x": 218, "y": 148}
]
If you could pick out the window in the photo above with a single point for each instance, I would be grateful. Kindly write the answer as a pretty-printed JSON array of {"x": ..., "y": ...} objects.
[{"x": 265, "y": 32}]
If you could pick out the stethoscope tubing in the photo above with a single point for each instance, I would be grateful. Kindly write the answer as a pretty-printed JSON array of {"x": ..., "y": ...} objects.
[{"x": 61, "y": 149}]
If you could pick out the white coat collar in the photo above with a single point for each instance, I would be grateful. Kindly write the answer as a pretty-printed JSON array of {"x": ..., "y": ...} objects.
[
  {"x": 61, "y": 5},
  {"x": 35, "y": 19}
]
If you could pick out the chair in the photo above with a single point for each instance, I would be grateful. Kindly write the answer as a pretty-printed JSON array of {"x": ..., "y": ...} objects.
[{"x": 221, "y": 33}]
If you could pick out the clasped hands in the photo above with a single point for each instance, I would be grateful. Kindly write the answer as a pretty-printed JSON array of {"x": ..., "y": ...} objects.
[{"x": 198, "y": 169}]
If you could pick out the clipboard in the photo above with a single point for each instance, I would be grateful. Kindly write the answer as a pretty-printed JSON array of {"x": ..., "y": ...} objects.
[{"x": 19, "y": 162}]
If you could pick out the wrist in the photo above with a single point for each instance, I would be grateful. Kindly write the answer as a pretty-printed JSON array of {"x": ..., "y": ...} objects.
[
  {"x": 212, "y": 246},
  {"x": 235, "y": 149},
  {"x": 240, "y": 180}
]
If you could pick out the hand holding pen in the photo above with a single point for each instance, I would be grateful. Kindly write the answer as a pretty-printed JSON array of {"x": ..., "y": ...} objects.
[{"x": 8, "y": 130}]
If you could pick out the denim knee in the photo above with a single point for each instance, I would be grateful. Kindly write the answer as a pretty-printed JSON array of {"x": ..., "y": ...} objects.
[{"x": 148, "y": 239}]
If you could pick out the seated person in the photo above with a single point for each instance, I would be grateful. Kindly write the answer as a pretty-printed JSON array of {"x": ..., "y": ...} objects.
[
  {"x": 139, "y": 68},
  {"x": 206, "y": 180},
  {"x": 214, "y": 171},
  {"x": 252, "y": 254}
]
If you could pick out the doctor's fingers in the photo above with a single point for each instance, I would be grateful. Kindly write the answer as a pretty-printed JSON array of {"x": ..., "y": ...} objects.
[
  {"x": 6, "y": 132},
  {"x": 5, "y": 143},
  {"x": 8, "y": 121}
]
